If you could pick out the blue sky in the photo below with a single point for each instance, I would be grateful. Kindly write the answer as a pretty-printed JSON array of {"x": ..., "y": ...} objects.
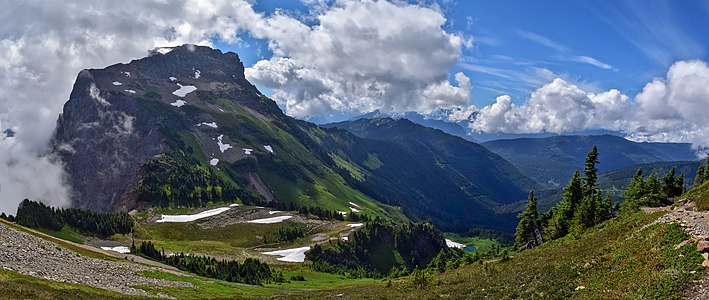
[{"x": 520, "y": 45}]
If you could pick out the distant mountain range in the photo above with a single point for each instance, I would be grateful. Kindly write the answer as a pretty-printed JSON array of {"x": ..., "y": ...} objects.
[
  {"x": 446, "y": 176},
  {"x": 552, "y": 160}
]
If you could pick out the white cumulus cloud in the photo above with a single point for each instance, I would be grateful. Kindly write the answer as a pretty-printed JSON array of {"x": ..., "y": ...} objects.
[
  {"x": 556, "y": 107},
  {"x": 362, "y": 56},
  {"x": 670, "y": 109}
]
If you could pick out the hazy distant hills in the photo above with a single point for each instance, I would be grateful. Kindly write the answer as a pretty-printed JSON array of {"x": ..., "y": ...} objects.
[{"x": 552, "y": 160}]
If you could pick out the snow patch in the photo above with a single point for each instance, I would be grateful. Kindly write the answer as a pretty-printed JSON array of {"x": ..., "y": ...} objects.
[
  {"x": 214, "y": 161},
  {"x": 290, "y": 255},
  {"x": 270, "y": 220},
  {"x": 222, "y": 147},
  {"x": 184, "y": 90},
  {"x": 452, "y": 244},
  {"x": 247, "y": 151},
  {"x": 354, "y": 209},
  {"x": 233, "y": 205},
  {"x": 163, "y": 51},
  {"x": 270, "y": 149},
  {"x": 119, "y": 249},
  {"x": 273, "y": 212},
  {"x": 343, "y": 213},
  {"x": 190, "y": 218},
  {"x": 178, "y": 103},
  {"x": 345, "y": 238},
  {"x": 130, "y": 91},
  {"x": 127, "y": 73},
  {"x": 197, "y": 74},
  {"x": 355, "y": 225},
  {"x": 172, "y": 78},
  {"x": 117, "y": 83},
  {"x": 211, "y": 124},
  {"x": 354, "y": 204}
]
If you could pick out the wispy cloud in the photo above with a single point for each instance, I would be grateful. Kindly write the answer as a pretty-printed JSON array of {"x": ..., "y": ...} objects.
[
  {"x": 651, "y": 28},
  {"x": 564, "y": 52},
  {"x": 542, "y": 40},
  {"x": 591, "y": 61}
]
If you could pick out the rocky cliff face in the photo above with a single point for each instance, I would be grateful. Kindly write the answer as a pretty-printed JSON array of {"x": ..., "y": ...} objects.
[{"x": 120, "y": 117}]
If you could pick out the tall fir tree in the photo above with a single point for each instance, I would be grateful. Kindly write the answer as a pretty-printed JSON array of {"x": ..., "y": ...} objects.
[
  {"x": 590, "y": 171},
  {"x": 528, "y": 234}
]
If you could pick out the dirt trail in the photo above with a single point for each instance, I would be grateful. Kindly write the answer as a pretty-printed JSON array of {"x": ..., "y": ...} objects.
[{"x": 697, "y": 226}]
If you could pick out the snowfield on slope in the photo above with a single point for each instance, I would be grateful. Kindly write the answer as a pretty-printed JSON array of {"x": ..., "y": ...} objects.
[
  {"x": 184, "y": 90},
  {"x": 119, "y": 249},
  {"x": 270, "y": 220},
  {"x": 290, "y": 255},
  {"x": 190, "y": 218},
  {"x": 178, "y": 103},
  {"x": 452, "y": 244}
]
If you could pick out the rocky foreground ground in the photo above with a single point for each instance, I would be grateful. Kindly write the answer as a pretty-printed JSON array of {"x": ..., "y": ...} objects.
[
  {"x": 30, "y": 255},
  {"x": 696, "y": 224}
]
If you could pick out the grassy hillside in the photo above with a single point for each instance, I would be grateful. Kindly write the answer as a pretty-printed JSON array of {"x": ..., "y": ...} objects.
[
  {"x": 700, "y": 195},
  {"x": 620, "y": 259}
]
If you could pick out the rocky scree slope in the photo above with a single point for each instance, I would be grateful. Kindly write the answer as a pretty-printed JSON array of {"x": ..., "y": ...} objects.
[{"x": 29, "y": 255}]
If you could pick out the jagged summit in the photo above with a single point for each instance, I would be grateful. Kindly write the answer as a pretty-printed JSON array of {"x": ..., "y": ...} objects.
[
  {"x": 120, "y": 117},
  {"x": 183, "y": 127}
]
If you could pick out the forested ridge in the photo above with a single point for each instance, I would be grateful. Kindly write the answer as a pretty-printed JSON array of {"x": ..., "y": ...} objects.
[{"x": 99, "y": 224}]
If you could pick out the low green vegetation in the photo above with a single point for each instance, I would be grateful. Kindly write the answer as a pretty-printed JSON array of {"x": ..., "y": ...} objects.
[
  {"x": 66, "y": 233},
  {"x": 177, "y": 236}
]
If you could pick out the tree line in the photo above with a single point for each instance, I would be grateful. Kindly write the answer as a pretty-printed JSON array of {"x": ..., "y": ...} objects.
[
  {"x": 99, "y": 224},
  {"x": 583, "y": 205},
  {"x": 178, "y": 180},
  {"x": 251, "y": 271}
]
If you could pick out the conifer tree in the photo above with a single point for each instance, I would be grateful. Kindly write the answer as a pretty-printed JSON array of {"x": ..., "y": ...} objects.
[
  {"x": 528, "y": 234},
  {"x": 672, "y": 186},
  {"x": 706, "y": 169},
  {"x": 604, "y": 209},
  {"x": 585, "y": 216},
  {"x": 654, "y": 195},
  {"x": 590, "y": 171},
  {"x": 563, "y": 213},
  {"x": 699, "y": 178}
]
